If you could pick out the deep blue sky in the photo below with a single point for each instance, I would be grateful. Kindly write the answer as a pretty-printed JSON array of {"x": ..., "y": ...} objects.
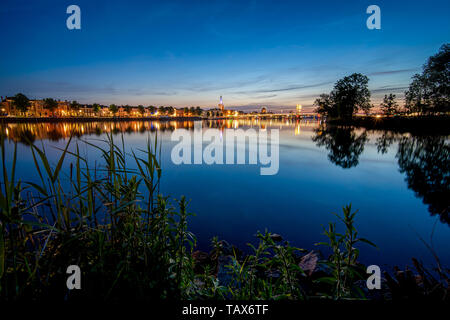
[{"x": 275, "y": 53}]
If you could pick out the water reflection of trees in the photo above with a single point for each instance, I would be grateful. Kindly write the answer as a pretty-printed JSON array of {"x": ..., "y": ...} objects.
[
  {"x": 425, "y": 161},
  {"x": 26, "y": 137},
  {"x": 385, "y": 141},
  {"x": 343, "y": 143},
  {"x": 426, "y": 164}
]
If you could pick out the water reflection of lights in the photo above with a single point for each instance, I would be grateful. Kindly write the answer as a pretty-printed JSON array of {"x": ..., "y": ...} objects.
[{"x": 65, "y": 129}]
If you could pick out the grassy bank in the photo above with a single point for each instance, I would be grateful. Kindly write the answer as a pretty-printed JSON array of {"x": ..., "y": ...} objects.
[{"x": 132, "y": 242}]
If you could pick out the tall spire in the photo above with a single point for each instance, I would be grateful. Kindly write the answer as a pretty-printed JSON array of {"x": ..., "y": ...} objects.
[{"x": 221, "y": 106}]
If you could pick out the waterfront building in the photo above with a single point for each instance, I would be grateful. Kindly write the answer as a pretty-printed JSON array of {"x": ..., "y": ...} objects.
[
  {"x": 121, "y": 112},
  {"x": 35, "y": 109},
  {"x": 179, "y": 112},
  {"x": 6, "y": 105},
  {"x": 105, "y": 112}
]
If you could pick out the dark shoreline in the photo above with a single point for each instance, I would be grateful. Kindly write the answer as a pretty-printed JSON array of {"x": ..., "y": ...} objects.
[{"x": 421, "y": 124}]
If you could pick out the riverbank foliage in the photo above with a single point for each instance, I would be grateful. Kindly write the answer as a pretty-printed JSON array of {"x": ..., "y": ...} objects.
[
  {"x": 427, "y": 95},
  {"x": 132, "y": 242}
]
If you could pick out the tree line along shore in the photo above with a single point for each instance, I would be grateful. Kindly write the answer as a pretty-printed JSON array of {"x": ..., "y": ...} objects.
[{"x": 427, "y": 104}]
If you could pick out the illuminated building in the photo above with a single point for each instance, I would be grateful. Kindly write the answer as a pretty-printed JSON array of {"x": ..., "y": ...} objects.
[{"x": 221, "y": 106}]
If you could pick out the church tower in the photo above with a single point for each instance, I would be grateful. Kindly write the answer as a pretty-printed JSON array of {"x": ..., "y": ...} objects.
[{"x": 221, "y": 106}]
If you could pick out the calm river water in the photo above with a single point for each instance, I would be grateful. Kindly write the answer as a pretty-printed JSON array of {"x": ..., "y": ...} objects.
[{"x": 399, "y": 183}]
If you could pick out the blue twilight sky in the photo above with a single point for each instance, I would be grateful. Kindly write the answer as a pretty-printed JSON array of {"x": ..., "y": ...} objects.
[{"x": 183, "y": 53}]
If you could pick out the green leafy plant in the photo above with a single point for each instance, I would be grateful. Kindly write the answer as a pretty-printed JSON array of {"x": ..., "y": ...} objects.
[{"x": 343, "y": 259}]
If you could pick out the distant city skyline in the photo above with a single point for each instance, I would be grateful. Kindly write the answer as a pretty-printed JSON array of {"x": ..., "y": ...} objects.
[{"x": 183, "y": 53}]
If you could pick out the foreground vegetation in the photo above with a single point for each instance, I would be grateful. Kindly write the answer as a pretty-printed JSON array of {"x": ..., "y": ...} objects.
[{"x": 131, "y": 242}]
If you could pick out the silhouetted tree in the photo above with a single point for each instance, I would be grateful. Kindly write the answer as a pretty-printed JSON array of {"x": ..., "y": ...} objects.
[
  {"x": 429, "y": 92},
  {"x": 21, "y": 102},
  {"x": 389, "y": 106},
  {"x": 170, "y": 110},
  {"x": 325, "y": 106},
  {"x": 416, "y": 95},
  {"x": 141, "y": 109},
  {"x": 152, "y": 109},
  {"x": 96, "y": 107},
  {"x": 50, "y": 104},
  {"x": 114, "y": 109},
  {"x": 74, "y": 105},
  {"x": 349, "y": 95}
]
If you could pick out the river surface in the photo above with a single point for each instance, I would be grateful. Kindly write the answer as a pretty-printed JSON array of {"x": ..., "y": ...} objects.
[{"x": 398, "y": 182}]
